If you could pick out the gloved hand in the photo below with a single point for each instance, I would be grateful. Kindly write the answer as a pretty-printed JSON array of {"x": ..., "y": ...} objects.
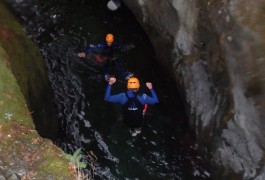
[
  {"x": 149, "y": 85},
  {"x": 112, "y": 80}
]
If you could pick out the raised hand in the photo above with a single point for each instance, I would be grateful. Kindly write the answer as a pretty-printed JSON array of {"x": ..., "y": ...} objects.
[
  {"x": 149, "y": 85},
  {"x": 112, "y": 80}
]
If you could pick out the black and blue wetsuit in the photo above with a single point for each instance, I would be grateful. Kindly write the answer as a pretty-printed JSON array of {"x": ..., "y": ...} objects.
[
  {"x": 104, "y": 49},
  {"x": 132, "y": 104},
  {"x": 108, "y": 57}
]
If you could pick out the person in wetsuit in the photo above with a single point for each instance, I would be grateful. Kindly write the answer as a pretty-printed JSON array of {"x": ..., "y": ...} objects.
[
  {"x": 105, "y": 54},
  {"x": 133, "y": 103}
]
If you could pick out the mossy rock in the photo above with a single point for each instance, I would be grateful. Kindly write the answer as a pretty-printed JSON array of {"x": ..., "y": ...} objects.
[
  {"x": 23, "y": 152},
  {"x": 26, "y": 63}
]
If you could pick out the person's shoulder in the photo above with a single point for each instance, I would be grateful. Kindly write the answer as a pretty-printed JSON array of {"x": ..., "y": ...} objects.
[
  {"x": 118, "y": 44},
  {"x": 103, "y": 44}
]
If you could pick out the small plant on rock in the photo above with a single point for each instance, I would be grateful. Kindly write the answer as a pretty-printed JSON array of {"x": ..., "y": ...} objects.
[{"x": 75, "y": 159}]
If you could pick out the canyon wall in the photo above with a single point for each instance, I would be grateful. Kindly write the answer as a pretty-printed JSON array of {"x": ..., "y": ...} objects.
[{"x": 215, "y": 52}]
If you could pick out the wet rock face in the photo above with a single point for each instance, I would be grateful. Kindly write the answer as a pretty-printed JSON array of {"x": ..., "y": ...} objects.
[
  {"x": 29, "y": 69},
  {"x": 215, "y": 51}
]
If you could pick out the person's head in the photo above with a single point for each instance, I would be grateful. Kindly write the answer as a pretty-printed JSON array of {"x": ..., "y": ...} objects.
[
  {"x": 109, "y": 39},
  {"x": 133, "y": 84}
]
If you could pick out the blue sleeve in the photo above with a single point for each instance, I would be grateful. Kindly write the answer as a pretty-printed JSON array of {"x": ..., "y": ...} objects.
[
  {"x": 145, "y": 99},
  {"x": 93, "y": 47},
  {"x": 118, "y": 98}
]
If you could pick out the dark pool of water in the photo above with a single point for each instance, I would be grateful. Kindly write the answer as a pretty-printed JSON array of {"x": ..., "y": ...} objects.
[{"x": 165, "y": 149}]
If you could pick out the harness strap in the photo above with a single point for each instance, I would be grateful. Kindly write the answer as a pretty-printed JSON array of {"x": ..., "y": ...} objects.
[
  {"x": 134, "y": 99},
  {"x": 145, "y": 108},
  {"x": 133, "y": 116}
]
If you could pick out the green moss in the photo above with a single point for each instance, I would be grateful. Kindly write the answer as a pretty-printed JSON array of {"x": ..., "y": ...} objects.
[
  {"x": 26, "y": 58},
  {"x": 33, "y": 153},
  {"x": 11, "y": 99},
  {"x": 27, "y": 65},
  {"x": 21, "y": 146}
]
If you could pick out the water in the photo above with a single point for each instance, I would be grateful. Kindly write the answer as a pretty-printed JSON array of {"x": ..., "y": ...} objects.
[{"x": 165, "y": 149}]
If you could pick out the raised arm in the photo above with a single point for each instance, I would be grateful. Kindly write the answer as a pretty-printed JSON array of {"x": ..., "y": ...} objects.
[
  {"x": 90, "y": 49},
  {"x": 123, "y": 47},
  {"x": 147, "y": 99},
  {"x": 118, "y": 98}
]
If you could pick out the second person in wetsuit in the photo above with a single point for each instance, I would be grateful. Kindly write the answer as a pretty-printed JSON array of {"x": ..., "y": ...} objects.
[{"x": 105, "y": 54}]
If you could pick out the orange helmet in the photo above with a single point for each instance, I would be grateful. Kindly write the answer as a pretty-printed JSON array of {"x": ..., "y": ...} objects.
[
  {"x": 109, "y": 38},
  {"x": 133, "y": 83}
]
